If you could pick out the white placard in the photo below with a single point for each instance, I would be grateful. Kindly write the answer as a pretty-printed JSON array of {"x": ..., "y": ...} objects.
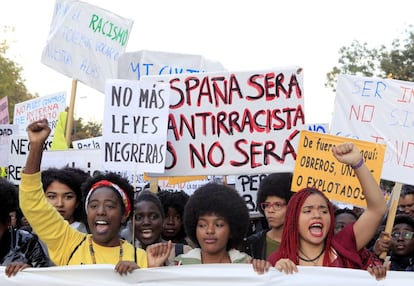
[
  {"x": 234, "y": 122},
  {"x": 382, "y": 111},
  {"x": 135, "y": 125},
  {"x": 85, "y": 42}
]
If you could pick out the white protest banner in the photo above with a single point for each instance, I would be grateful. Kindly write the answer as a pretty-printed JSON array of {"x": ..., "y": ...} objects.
[
  {"x": 90, "y": 161},
  {"x": 381, "y": 111},
  {"x": 6, "y": 131},
  {"x": 48, "y": 106},
  {"x": 88, "y": 143},
  {"x": 85, "y": 42},
  {"x": 200, "y": 275},
  {"x": 134, "y": 65},
  {"x": 228, "y": 123},
  {"x": 135, "y": 125},
  {"x": 18, "y": 151},
  {"x": 4, "y": 110}
]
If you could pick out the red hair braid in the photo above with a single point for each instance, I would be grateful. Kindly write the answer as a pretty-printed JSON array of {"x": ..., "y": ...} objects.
[{"x": 289, "y": 245}]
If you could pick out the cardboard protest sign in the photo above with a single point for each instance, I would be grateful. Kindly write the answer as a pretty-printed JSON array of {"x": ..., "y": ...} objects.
[
  {"x": 316, "y": 167},
  {"x": 4, "y": 110},
  {"x": 89, "y": 160},
  {"x": 135, "y": 125},
  {"x": 135, "y": 65},
  {"x": 248, "y": 186},
  {"x": 18, "y": 150},
  {"x": 6, "y": 132},
  {"x": 88, "y": 143},
  {"x": 234, "y": 122},
  {"x": 48, "y": 106},
  {"x": 85, "y": 42},
  {"x": 378, "y": 110}
]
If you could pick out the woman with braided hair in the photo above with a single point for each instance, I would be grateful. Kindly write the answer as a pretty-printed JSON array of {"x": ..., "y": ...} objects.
[{"x": 308, "y": 237}]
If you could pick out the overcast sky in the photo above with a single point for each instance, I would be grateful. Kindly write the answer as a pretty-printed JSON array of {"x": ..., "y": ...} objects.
[{"x": 242, "y": 35}]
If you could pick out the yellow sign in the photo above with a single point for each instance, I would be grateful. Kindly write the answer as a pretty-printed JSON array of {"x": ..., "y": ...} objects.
[
  {"x": 316, "y": 167},
  {"x": 177, "y": 180}
]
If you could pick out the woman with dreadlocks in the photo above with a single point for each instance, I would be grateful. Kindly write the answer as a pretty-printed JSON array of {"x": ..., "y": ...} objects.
[{"x": 308, "y": 237}]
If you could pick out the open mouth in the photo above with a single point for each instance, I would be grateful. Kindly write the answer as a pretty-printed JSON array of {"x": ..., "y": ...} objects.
[
  {"x": 316, "y": 229},
  {"x": 147, "y": 233},
  {"x": 101, "y": 226}
]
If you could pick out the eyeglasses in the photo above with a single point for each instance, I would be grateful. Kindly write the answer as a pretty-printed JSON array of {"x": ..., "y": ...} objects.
[
  {"x": 402, "y": 208},
  {"x": 407, "y": 235},
  {"x": 275, "y": 205}
]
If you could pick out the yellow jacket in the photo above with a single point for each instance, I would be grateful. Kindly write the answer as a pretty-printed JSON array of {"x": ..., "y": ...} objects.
[{"x": 66, "y": 245}]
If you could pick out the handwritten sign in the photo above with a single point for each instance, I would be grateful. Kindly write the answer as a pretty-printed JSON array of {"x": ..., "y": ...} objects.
[
  {"x": 135, "y": 125},
  {"x": 88, "y": 143},
  {"x": 135, "y": 65},
  {"x": 49, "y": 107},
  {"x": 6, "y": 132},
  {"x": 234, "y": 122},
  {"x": 317, "y": 127},
  {"x": 4, "y": 110},
  {"x": 248, "y": 186},
  {"x": 18, "y": 150},
  {"x": 85, "y": 42},
  {"x": 378, "y": 110},
  {"x": 316, "y": 167}
]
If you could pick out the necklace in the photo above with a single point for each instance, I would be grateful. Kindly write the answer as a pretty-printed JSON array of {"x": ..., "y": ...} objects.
[
  {"x": 92, "y": 251},
  {"x": 314, "y": 260}
]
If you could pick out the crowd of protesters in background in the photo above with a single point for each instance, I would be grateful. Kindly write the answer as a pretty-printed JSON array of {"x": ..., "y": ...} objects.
[{"x": 63, "y": 216}]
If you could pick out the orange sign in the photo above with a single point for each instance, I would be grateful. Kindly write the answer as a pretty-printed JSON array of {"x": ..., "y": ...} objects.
[{"x": 316, "y": 167}]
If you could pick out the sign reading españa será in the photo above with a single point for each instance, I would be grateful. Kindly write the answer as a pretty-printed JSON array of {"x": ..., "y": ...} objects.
[{"x": 316, "y": 167}]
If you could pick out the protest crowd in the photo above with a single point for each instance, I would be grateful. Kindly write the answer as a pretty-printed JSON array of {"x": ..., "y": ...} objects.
[
  {"x": 320, "y": 202},
  {"x": 74, "y": 219}
]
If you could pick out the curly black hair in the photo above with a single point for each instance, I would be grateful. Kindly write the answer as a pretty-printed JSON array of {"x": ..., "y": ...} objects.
[
  {"x": 275, "y": 184},
  {"x": 71, "y": 177},
  {"x": 115, "y": 178},
  {"x": 8, "y": 200},
  {"x": 347, "y": 211},
  {"x": 404, "y": 219},
  {"x": 221, "y": 200},
  {"x": 176, "y": 200}
]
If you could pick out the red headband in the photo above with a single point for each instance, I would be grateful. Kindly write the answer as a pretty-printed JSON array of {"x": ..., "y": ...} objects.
[{"x": 122, "y": 193}]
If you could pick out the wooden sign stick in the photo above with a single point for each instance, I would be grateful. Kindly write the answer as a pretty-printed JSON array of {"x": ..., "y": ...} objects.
[{"x": 392, "y": 212}]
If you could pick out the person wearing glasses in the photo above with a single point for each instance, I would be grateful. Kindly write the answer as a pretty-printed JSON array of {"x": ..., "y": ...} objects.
[
  {"x": 272, "y": 198},
  {"x": 399, "y": 245},
  {"x": 406, "y": 201}
]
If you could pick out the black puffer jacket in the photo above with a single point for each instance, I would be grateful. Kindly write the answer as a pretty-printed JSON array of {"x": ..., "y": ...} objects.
[
  {"x": 22, "y": 246},
  {"x": 255, "y": 245}
]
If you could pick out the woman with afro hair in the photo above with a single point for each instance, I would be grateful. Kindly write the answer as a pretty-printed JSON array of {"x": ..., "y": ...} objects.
[
  {"x": 173, "y": 204},
  {"x": 216, "y": 220}
]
